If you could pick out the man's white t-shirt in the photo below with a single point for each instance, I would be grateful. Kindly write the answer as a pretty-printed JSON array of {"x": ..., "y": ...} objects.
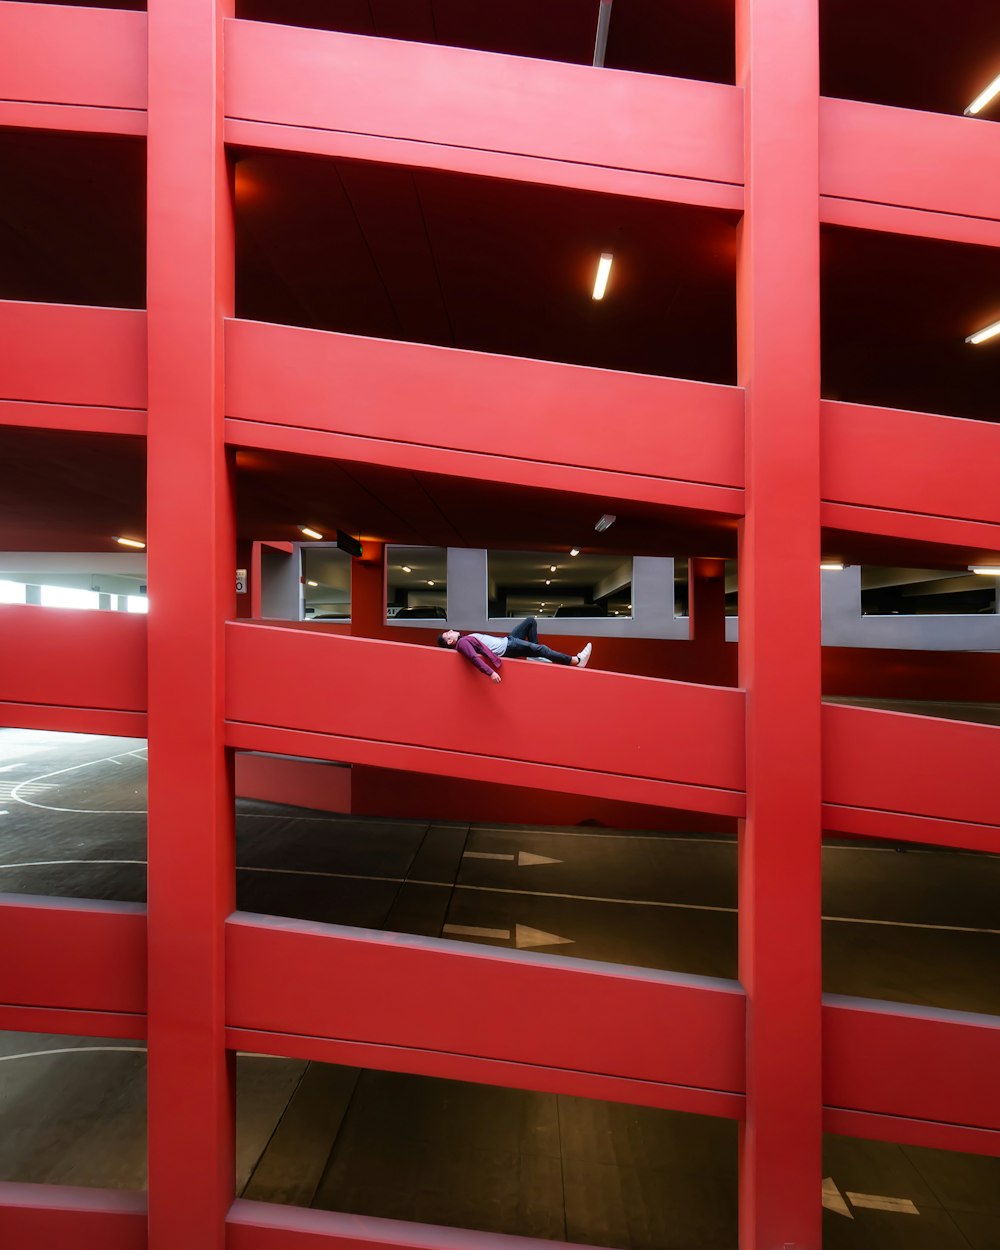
[{"x": 497, "y": 645}]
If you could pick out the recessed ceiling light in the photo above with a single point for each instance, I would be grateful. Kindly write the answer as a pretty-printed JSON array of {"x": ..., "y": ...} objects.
[
  {"x": 548, "y": 581},
  {"x": 552, "y": 568},
  {"x": 430, "y": 583},
  {"x": 574, "y": 551},
  {"x": 406, "y": 568},
  {"x": 987, "y": 332},
  {"x": 131, "y": 542},
  {"x": 985, "y": 570},
  {"x": 312, "y": 583},
  {"x": 984, "y": 97},
  {"x": 605, "y": 522},
  {"x": 832, "y": 566},
  {"x": 603, "y": 269},
  {"x": 304, "y": 529}
]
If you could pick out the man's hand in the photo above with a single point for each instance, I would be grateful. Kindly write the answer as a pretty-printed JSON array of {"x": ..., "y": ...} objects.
[{"x": 495, "y": 677}]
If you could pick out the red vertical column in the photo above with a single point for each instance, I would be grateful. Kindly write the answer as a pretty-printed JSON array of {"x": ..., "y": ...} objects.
[
  {"x": 192, "y": 592},
  {"x": 368, "y": 591},
  {"x": 779, "y": 613}
]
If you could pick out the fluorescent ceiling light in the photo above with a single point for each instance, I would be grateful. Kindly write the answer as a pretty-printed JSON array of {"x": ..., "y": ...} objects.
[
  {"x": 605, "y": 522},
  {"x": 131, "y": 542},
  {"x": 304, "y": 529},
  {"x": 548, "y": 581},
  {"x": 984, "y": 97},
  {"x": 985, "y": 570},
  {"x": 552, "y": 568},
  {"x": 430, "y": 583},
  {"x": 312, "y": 583},
  {"x": 832, "y": 566},
  {"x": 574, "y": 551},
  {"x": 987, "y": 332},
  {"x": 603, "y": 269},
  {"x": 406, "y": 568}
]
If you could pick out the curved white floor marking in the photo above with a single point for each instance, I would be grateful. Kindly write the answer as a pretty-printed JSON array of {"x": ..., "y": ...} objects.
[
  {"x": 77, "y": 811},
  {"x": 75, "y": 1050}
]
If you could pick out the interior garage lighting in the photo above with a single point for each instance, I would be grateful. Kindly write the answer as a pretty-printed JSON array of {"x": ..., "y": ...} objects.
[
  {"x": 832, "y": 566},
  {"x": 603, "y": 269},
  {"x": 985, "y": 570},
  {"x": 131, "y": 542},
  {"x": 430, "y": 583},
  {"x": 987, "y": 332},
  {"x": 605, "y": 522},
  {"x": 312, "y": 583},
  {"x": 552, "y": 568},
  {"x": 406, "y": 568},
  {"x": 574, "y": 551},
  {"x": 304, "y": 529},
  {"x": 548, "y": 581},
  {"x": 984, "y": 97}
]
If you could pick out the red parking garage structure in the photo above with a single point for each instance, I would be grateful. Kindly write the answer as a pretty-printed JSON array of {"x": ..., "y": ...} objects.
[{"x": 202, "y": 84}]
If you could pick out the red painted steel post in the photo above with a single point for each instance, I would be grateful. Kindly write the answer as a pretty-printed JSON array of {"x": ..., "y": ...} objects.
[
  {"x": 779, "y": 614},
  {"x": 192, "y": 592},
  {"x": 368, "y": 591}
]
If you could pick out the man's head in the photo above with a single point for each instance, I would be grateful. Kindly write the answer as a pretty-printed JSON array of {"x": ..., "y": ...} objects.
[{"x": 449, "y": 638}]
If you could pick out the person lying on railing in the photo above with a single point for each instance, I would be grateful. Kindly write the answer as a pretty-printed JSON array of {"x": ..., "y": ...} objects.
[{"x": 485, "y": 651}]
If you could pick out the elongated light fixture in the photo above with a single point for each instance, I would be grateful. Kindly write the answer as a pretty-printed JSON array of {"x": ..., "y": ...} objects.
[
  {"x": 312, "y": 583},
  {"x": 987, "y": 332},
  {"x": 603, "y": 269},
  {"x": 984, "y": 97},
  {"x": 131, "y": 542},
  {"x": 304, "y": 529},
  {"x": 605, "y": 522},
  {"x": 832, "y": 566},
  {"x": 985, "y": 570},
  {"x": 574, "y": 551}
]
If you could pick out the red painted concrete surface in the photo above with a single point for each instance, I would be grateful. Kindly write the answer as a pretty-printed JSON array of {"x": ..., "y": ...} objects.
[{"x": 765, "y": 455}]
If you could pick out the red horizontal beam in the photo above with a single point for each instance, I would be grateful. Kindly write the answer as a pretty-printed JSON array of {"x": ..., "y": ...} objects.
[
  {"x": 448, "y": 1066},
  {"x": 918, "y": 160},
  {"x": 74, "y": 1022},
  {"x": 888, "y": 1059},
  {"x": 397, "y": 401},
  {"x": 395, "y": 990},
  {"x": 677, "y": 731},
  {"x": 66, "y": 354},
  {"x": 481, "y": 100},
  {"x": 73, "y": 659},
  {"x": 911, "y": 462},
  {"x": 72, "y": 118},
  {"x": 73, "y": 954},
  {"x": 131, "y": 421},
  {"x": 55, "y": 54},
  {"x": 918, "y": 766},
  {"x": 892, "y": 219},
  {"x": 46, "y": 1217},
  {"x": 908, "y": 1132},
  {"x": 970, "y": 539},
  {"x": 73, "y": 720},
  {"x": 484, "y": 164}
]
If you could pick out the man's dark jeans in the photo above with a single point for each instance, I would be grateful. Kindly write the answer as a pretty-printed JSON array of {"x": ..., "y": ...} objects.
[{"x": 522, "y": 643}]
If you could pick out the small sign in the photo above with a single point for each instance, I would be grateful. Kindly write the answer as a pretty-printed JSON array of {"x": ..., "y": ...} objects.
[{"x": 241, "y": 581}]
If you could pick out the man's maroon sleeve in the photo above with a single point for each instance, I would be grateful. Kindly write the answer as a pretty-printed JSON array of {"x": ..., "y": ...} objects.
[{"x": 467, "y": 647}]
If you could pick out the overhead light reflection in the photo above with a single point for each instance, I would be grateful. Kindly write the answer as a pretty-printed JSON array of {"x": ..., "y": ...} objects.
[
  {"x": 987, "y": 332},
  {"x": 984, "y": 98},
  {"x": 304, "y": 529},
  {"x": 603, "y": 270}
]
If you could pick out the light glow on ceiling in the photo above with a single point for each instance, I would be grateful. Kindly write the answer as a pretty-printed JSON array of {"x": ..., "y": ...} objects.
[
  {"x": 984, "y": 97},
  {"x": 406, "y": 568},
  {"x": 131, "y": 542},
  {"x": 832, "y": 566},
  {"x": 304, "y": 529},
  {"x": 987, "y": 332},
  {"x": 603, "y": 270},
  {"x": 574, "y": 551},
  {"x": 985, "y": 570},
  {"x": 312, "y": 583}
]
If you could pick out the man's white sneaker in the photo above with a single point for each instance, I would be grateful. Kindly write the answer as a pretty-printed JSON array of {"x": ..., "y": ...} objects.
[{"x": 583, "y": 657}]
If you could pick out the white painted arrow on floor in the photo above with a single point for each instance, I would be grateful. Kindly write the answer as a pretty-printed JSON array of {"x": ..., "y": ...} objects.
[
  {"x": 524, "y": 859},
  {"x": 834, "y": 1200},
  {"x": 524, "y": 936}
]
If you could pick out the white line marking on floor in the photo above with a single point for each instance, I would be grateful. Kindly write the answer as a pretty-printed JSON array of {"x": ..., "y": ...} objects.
[
  {"x": 9, "y": 768},
  {"x": 80, "y": 811},
  {"x": 471, "y": 930},
  {"x": 491, "y": 889},
  {"x": 74, "y": 1050},
  {"x": 877, "y": 1203},
  {"x": 524, "y": 859},
  {"x": 524, "y": 936},
  {"x": 833, "y": 1199}
]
